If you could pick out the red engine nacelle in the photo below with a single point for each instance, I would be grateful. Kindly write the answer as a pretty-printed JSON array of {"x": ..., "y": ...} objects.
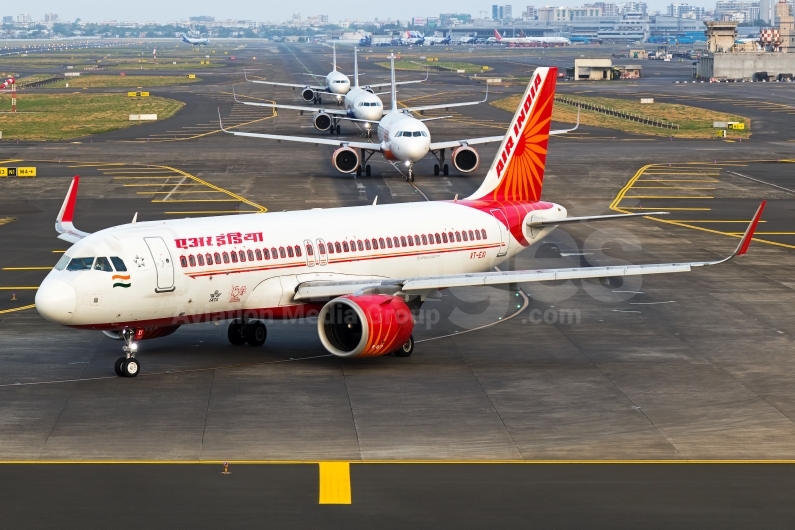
[
  {"x": 465, "y": 159},
  {"x": 345, "y": 159},
  {"x": 364, "y": 326}
]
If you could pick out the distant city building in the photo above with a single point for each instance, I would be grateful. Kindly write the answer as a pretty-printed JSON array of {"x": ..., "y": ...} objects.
[
  {"x": 24, "y": 18},
  {"x": 203, "y": 19},
  {"x": 454, "y": 19},
  {"x": 8, "y": 20},
  {"x": 685, "y": 11},
  {"x": 501, "y": 12},
  {"x": 418, "y": 21},
  {"x": 567, "y": 14},
  {"x": 608, "y": 9},
  {"x": 50, "y": 17},
  {"x": 633, "y": 7},
  {"x": 529, "y": 13}
]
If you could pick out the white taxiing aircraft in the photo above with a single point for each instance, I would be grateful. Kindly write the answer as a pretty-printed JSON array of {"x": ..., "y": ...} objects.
[
  {"x": 403, "y": 139},
  {"x": 360, "y": 104},
  {"x": 360, "y": 270},
  {"x": 195, "y": 42},
  {"x": 531, "y": 40}
]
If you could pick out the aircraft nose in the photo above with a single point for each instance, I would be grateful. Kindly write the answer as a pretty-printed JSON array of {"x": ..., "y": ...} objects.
[{"x": 56, "y": 301}]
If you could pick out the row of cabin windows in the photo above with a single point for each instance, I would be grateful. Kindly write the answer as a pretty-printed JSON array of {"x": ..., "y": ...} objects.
[
  {"x": 337, "y": 247},
  {"x": 240, "y": 256}
]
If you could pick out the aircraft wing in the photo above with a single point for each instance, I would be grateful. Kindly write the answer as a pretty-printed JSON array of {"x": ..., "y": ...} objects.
[
  {"x": 367, "y": 146},
  {"x": 63, "y": 223},
  {"x": 424, "y": 285},
  {"x": 448, "y": 105},
  {"x": 377, "y": 85},
  {"x": 293, "y": 85},
  {"x": 313, "y": 110},
  {"x": 489, "y": 139}
]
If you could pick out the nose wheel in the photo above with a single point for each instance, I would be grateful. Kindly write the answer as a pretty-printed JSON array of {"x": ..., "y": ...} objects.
[{"x": 127, "y": 366}]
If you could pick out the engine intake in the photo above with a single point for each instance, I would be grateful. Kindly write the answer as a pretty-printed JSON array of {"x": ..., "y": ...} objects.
[
  {"x": 322, "y": 121},
  {"x": 465, "y": 159},
  {"x": 364, "y": 326},
  {"x": 345, "y": 159},
  {"x": 308, "y": 94}
]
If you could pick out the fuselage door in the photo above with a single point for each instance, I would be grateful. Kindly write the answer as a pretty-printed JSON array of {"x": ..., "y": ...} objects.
[
  {"x": 311, "y": 255},
  {"x": 164, "y": 265},
  {"x": 321, "y": 252},
  {"x": 502, "y": 222}
]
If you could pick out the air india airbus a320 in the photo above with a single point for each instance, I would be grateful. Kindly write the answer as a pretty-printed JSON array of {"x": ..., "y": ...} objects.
[{"x": 361, "y": 271}]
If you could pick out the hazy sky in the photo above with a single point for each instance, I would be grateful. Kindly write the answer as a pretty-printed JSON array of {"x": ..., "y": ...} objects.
[{"x": 269, "y": 10}]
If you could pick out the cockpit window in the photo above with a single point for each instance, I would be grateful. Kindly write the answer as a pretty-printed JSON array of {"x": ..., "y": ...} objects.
[
  {"x": 419, "y": 133},
  {"x": 118, "y": 264},
  {"x": 102, "y": 264},
  {"x": 80, "y": 264},
  {"x": 62, "y": 263}
]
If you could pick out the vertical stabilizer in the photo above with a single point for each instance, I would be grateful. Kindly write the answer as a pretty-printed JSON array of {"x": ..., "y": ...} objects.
[
  {"x": 334, "y": 57},
  {"x": 355, "y": 67},
  {"x": 394, "y": 86},
  {"x": 517, "y": 173}
]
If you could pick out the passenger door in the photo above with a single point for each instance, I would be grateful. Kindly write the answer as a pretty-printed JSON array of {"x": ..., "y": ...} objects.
[{"x": 164, "y": 265}]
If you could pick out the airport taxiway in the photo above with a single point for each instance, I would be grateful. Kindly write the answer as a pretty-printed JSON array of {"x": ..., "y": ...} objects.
[{"x": 675, "y": 368}]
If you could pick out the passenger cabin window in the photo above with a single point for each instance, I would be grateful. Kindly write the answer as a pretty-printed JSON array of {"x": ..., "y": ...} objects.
[
  {"x": 242, "y": 256},
  {"x": 389, "y": 242},
  {"x": 458, "y": 236},
  {"x": 266, "y": 253},
  {"x": 309, "y": 251},
  {"x": 345, "y": 246},
  {"x": 322, "y": 248},
  {"x": 477, "y": 234},
  {"x": 360, "y": 245},
  {"x": 80, "y": 264},
  {"x": 233, "y": 255},
  {"x": 424, "y": 240},
  {"x": 200, "y": 260},
  {"x": 209, "y": 259},
  {"x": 183, "y": 261},
  {"x": 471, "y": 236},
  {"x": 226, "y": 257},
  {"x": 118, "y": 264},
  {"x": 483, "y": 232},
  {"x": 402, "y": 241},
  {"x": 290, "y": 252},
  {"x": 464, "y": 235},
  {"x": 282, "y": 253},
  {"x": 258, "y": 253},
  {"x": 192, "y": 260},
  {"x": 338, "y": 247},
  {"x": 367, "y": 244},
  {"x": 217, "y": 258}
]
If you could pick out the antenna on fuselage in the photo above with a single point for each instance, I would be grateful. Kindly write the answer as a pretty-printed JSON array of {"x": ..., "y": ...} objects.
[
  {"x": 135, "y": 218},
  {"x": 394, "y": 86}
]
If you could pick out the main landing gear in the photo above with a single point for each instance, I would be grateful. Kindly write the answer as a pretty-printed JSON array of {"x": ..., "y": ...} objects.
[
  {"x": 253, "y": 332},
  {"x": 441, "y": 167},
  {"x": 406, "y": 349},
  {"x": 364, "y": 167},
  {"x": 128, "y": 365}
]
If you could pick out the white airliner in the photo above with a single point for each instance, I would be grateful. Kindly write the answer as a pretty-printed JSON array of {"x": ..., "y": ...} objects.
[
  {"x": 403, "y": 139},
  {"x": 530, "y": 40},
  {"x": 336, "y": 84},
  {"x": 360, "y": 104},
  {"x": 360, "y": 270},
  {"x": 195, "y": 42}
]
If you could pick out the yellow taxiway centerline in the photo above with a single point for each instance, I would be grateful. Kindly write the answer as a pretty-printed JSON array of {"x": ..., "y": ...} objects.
[
  {"x": 24, "y": 307},
  {"x": 26, "y": 268}
]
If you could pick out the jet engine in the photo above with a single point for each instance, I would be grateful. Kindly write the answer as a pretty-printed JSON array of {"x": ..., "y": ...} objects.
[
  {"x": 322, "y": 121},
  {"x": 143, "y": 333},
  {"x": 345, "y": 159},
  {"x": 364, "y": 326},
  {"x": 465, "y": 159},
  {"x": 308, "y": 94}
]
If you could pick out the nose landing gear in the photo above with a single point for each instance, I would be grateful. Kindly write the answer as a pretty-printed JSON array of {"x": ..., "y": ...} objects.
[{"x": 128, "y": 365}]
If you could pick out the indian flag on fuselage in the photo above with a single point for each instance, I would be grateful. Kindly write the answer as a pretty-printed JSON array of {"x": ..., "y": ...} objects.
[
  {"x": 121, "y": 280},
  {"x": 517, "y": 173}
]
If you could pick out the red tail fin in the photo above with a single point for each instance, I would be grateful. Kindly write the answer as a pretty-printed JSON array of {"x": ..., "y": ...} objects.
[
  {"x": 517, "y": 173},
  {"x": 497, "y": 35}
]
